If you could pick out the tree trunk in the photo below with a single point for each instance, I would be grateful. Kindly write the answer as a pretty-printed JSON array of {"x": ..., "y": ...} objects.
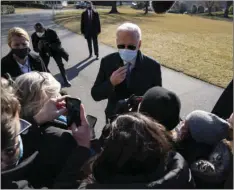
[
  {"x": 146, "y": 7},
  {"x": 209, "y": 5},
  {"x": 209, "y": 11},
  {"x": 228, "y": 4},
  {"x": 114, "y": 8},
  {"x": 121, "y": 3}
]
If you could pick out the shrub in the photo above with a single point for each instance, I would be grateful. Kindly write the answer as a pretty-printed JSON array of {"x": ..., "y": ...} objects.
[
  {"x": 194, "y": 9},
  {"x": 201, "y": 9},
  {"x": 7, "y": 9},
  {"x": 231, "y": 10}
]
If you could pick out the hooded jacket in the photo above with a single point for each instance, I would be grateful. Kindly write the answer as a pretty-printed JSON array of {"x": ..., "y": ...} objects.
[{"x": 173, "y": 175}]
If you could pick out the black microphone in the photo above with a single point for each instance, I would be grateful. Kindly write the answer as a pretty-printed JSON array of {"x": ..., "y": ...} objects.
[{"x": 161, "y": 7}]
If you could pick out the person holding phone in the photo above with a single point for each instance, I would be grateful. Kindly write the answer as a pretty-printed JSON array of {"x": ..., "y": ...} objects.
[
  {"x": 125, "y": 72},
  {"x": 18, "y": 171}
]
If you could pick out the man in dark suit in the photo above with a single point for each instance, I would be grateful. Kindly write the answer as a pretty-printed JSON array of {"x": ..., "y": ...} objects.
[
  {"x": 91, "y": 28},
  {"x": 126, "y": 72},
  {"x": 224, "y": 106},
  {"x": 47, "y": 43},
  {"x": 20, "y": 60}
]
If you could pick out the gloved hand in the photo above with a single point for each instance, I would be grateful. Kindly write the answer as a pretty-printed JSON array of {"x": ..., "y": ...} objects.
[
  {"x": 40, "y": 45},
  {"x": 215, "y": 169}
]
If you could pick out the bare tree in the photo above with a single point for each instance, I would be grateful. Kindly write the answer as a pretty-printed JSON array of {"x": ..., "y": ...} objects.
[
  {"x": 209, "y": 5},
  {"x": 228, "y": 4},
  {"x": 114, "y": 8}
]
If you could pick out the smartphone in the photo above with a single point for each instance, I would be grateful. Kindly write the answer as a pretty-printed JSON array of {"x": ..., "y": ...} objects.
[
  {"x": 73, "y": 108},
  {"x": 91, "y": 120}
]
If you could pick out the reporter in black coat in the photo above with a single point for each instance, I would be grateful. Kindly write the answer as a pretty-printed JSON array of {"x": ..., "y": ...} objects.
[
  {"x": 20, "y": 60},
  {"x": 224, "y": 106},
  {"x": 47, "y": 43},
  {"x": 126, "y": 72}
]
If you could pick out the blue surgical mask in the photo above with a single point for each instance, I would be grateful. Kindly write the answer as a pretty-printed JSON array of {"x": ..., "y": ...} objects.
[
  {"x": 21, "y": 149},
  {"x": 127, "y": 55}
]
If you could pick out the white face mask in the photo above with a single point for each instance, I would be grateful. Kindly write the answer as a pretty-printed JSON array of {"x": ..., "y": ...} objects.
[
  {"x": 40, "y": 34},
  {"x": 127, "y": 55}
]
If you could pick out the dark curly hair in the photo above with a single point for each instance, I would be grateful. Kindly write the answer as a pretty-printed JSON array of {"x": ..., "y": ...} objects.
[{"x": 135, "y": 145}]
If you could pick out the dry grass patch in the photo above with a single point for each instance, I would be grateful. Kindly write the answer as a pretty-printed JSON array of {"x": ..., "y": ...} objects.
[
  {"x": 26, "y": 10},
  {"x": 196, "y": 46}
]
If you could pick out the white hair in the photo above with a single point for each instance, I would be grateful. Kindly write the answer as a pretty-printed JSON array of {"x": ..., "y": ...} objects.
[
  {"x": 34, "y": 89},
  {"x": 130, "y": 27}
]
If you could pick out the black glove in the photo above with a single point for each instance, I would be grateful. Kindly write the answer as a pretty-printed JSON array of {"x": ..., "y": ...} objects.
[{"x": 216, "y": 168}]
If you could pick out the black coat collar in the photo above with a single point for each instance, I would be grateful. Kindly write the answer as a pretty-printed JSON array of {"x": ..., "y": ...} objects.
[{"x": 19, "y": 171}]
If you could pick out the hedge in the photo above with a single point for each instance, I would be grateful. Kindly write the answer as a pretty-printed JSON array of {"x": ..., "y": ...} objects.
[
  {"x": 231, "y": 10},
  {"x": 7, "y": 9}
]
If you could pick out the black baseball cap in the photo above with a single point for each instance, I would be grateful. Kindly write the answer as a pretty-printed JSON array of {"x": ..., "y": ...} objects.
[{"x": 39, "y": 27}]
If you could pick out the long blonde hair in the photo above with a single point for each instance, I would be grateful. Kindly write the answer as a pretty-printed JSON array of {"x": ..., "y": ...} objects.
[{"x": 34, "y": 89}]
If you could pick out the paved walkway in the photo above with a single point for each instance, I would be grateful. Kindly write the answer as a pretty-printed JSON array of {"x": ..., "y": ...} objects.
[{"x": 82, "y": 72}]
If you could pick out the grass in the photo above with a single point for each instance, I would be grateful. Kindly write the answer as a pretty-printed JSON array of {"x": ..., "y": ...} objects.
[
  {"x": 217, "y": 16},
  {"x": 26, "y": 10},
  {"x": 196, "y": 46}
]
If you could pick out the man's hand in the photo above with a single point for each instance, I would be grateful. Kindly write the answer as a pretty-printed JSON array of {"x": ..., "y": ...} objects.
[
  {"x": 40, "y": 45},
  {"x": 230, "y": 120},
  {"x": 51, "y": 110},
  {"x": 82, "y": 133},
  {"x": 118, "y": 76}
]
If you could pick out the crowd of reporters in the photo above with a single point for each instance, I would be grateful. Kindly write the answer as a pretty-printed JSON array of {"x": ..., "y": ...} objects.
[
  {"x": 145, "y": 143},
  {"x": 149, "y": 148}
]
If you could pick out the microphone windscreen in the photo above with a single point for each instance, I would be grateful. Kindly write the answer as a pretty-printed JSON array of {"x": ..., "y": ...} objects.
[{"x": 160, "y": 7}]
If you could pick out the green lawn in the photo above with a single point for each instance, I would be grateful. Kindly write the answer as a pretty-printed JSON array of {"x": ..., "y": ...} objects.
[{"x": 199, "y": 47}]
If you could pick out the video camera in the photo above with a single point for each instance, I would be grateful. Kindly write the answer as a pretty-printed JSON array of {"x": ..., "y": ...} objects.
[
  {"x": 124, "y": 106},
  {"x": 128, "y": 105},
  {"x": 44, "y": 46}
]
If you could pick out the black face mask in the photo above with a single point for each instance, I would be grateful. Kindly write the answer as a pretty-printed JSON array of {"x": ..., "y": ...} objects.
[{"x": 21, "y": 53}]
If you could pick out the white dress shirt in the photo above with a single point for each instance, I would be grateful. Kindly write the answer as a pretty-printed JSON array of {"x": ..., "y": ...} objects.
[
  {"x": 25, "y": 68},
  {"x": 90, "y": 14}
]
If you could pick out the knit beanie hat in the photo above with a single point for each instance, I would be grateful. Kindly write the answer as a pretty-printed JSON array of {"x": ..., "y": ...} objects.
[
  {"x": 206, "y": 127},
  {"x": 162, "y": 105}
]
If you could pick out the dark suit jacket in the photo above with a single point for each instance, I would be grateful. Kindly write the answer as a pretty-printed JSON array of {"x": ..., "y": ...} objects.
[
  {"x": 224, "y": 106},
  {"x": 145, "y": 75},
  {"x": 50, "y": 36},
  {"x": 55, "y": 45},
  {"x": 93, "y": 28},
  {"x": 9, "y": 65}
]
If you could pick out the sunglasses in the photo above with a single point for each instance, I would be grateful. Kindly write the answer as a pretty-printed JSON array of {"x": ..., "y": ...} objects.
[
  {"x": 130, "y": 47},
  {"x": 41, "y": 76}
]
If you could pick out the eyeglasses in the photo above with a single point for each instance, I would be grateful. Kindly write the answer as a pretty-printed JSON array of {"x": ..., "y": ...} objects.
[
  {"x": 24, "y": 126},
  {"x": 11, "y": 150},
  {"x": 130, "y": 47}
]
